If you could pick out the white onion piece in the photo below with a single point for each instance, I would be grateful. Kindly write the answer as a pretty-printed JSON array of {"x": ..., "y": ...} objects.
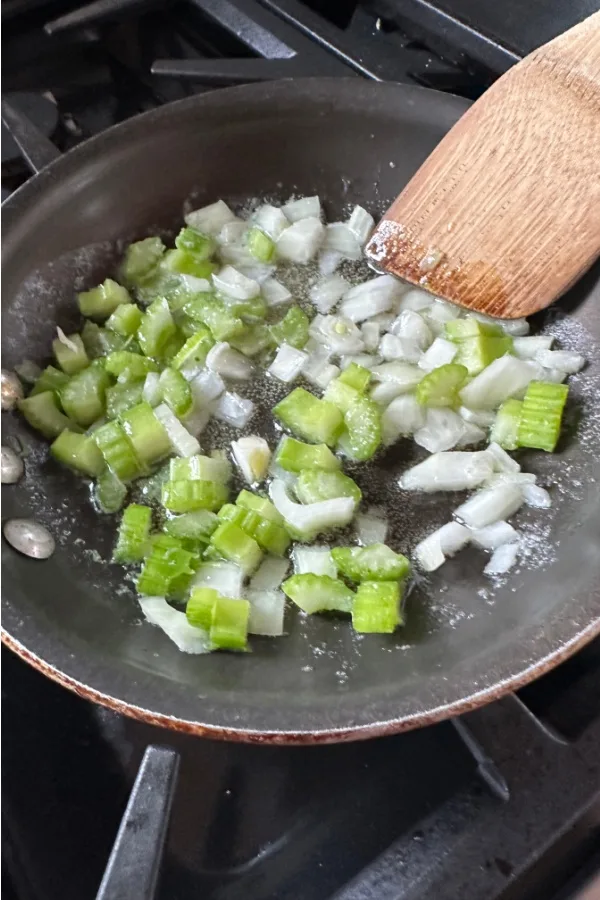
[
  {"x": 493, "y": 536},
  {"x": 503, "y": 378},
  {"x": 432, "y": 552},
  {"x": 384, "y": 320},
  {"x": 271, "y": 220},
  {"x": 267, "y": 610},
  {"x": 402, "y": 417},
  {"x": 318, "y": 370},
  {"x": 502, "y": 559},
  {"x": 339, "y": 238},
  {"x": 288, "y": 478},
  {"x": 455, "y": 471},
  {"x": 288, "y": 363},
  {"x": 311, "y": 518},
  {"x": 536, "y": 496},
  {"x": 151, "y": 391},
  {"x": 211, "y": 219},
  {"x": 528, "y": 347},
  {"x": 326, "y": 293},
  {"x": 233, "y": 409},
  {"x": 416, "y": 300},
  {"x": 453, "y": 537},
  {"x": 514, "y": 327},
  {"x": 371, "y": 333},
  {"x": 274, "y": 292},
  {"x": 472, "y": 434},
  {"x": 302, "y": 208},
  {"x": 269, "y": 574},
  {"x": 236, "y": 285},
  {"x": 196, "y": 285},
  {"x": 519, "y": 478},
  {"x": 443, "y": 430},
  {"x": 490, "y": 505},
  {"x": 182, "y": 442},
  {"x": 337, "y": 333},
  {"x": 400, "y": 373},
  {"x": 361, "y": 223},
  {"x": 440, "y": 353},
  {"x": 175, "y": 625},
  {"x": 411, "y": 325},
  {"x": 367, "y": 304},
  {"x": 300, "y": 242},
  {"x": 392, "y": 347},
  {"x": 253, "y": 455},
  {"x": 370, "y": 529},
  {"x": 232, "y": 232},
  {"x": 366, "y": 360},
  {"x": 206, "y": 386},
  {"x": 256, "y": 271},
  {"x": 313, "y": 560},
  {"x": 442, "y": 311},
  {"x": 554, "y": 375},
  {"x": 224, "y": 577},
  {"x": 197, "y": 419},
  {"x": 329, "y": 260},
  {"x": 482, "y": 417},
  {"x": 229, "y": 363},
  {"x": 563, "y": 360},
  {"x": 386, "y": 391},
  {"x": 501, "y": 460}
]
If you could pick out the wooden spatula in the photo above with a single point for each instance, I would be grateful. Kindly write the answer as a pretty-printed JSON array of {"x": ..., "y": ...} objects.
[{"x": 505, "y": 214}]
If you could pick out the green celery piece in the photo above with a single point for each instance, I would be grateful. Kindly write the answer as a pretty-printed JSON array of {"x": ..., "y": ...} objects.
[
  {"x": 70, "y": 361},
  {"x": 356, "y": 376},
  {"x": 79, "y": 452},
  {"x": 188, "y": 496},
  {"x": 199, "y": 608},
  {"x": 318, "y": 593},
  {"x": 253, "y": 340},
  {"x": 99, "y": 342},
  {"x": 212, "y": 312},
  {"x": 200, "y": 468},
  {"x": 185, "y": 263},
  {"x": 195, "y": 349},
  {"x": 440, "y": 387},
  {"x": 202, "y": 246},
  {"x": 293, "y": 328},
  {"x": 175, "y": 391},
  {"x": 194, "y": 526},
  {"x": 128, "y": 366},
  {"x": 341, "y": 395},
  {"x": 134, "y": 532},
  {"x": 541, "y": 415},
  {"x": 125, "y": 320},
  {"x": 147, "y": 435},
  {"x": 271, "y": 537},
  {"x": 236, "y": 546},
  {"x": 377, "y": 607},
  {"x": 261, "y": 505},
  {"x": 231, "y": 513},
  {"x": 156, "y": 329},
  {"x": 250, "y": 311},
  {"x": 121, "y": 397},
  {"x": 310, "y": 418},
  {"x": 229, "y": 626},
  {"x": 460, "y": 329},
  {"x": 141, "y": 259},
  {"x": 162, "y": 284},
  {"x": 506, "y": 424},
  {"x": 172, "y": 347},
  {"x": 377, "y": 562},
  {"x": 478, "y": 352},
  {"x": 361, "y": 437},
  {"x": 103, "y": 300},
  {"x": 51, "y": 379},
  {"x": 43, "y": 414},
  {"x": 314, "y": 485},
  {"x": 83, "y": 397},
  {"x": 260, "y": 245},
  {"x": 294, "y": 456},
  {"x": 167, "y": 563},
  {"x": 110, "y": 492},
  {"x": 117, "y": 451}
]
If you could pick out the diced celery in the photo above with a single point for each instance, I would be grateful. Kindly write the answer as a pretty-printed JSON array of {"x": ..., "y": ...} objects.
[
  {"x": 229, "y": 627},
  {"x": 251, "y": 311},
  {"x": 43, "y": 414},
  {"x": 541, "y": 415},
  {"x": 70, "y": 360},
  {"x": 293, "y": 328},
  {"x": 134, "y": 532},
  {"x": 199, "y": 608},
  {"x": 318, "y": 593},
  {"x": 261, "y": 505},
  {"x": 83, "y": 397},
  {"x": 51, "y": 379},
  {"x": 156, "y": 329},
  {"x": 271, "y": 537},
  {"x": 235, "y": 545},
  {"x": 103, "y": 300},
  {"x": 148, "y": 436},
  {"x": 110, "y": 492},
  {"x": 361, "y": 437},
  {"x": 200, "y": 468},
  {"x": 175, "y": 391},
  {"x": 440, "y": 387},
  {"x": 310, "y": 418},
  {"x": 79, "y": 452},
  {"x": 172, "y": 347},
  {"x": 506, "y": 425},
  {"x": 460, "y": 329},
  {"x": 117, "y": 451},
  {"x": 478, "y": 352},
  {"x": 195, "y": 526},
  {"x": 128, "y": 366},
  {"x": 202, "y": 246},
  {"x": 212, "y": 312},
  {"x": 195, "y": 349},
  {"x": 125, "y": 320},
  {"x": 188, "y": 496},
  {"x": 260, "y": 245},
  {"x": 294, "y": 456},
  {"x": 253, "y": 340},
  {"x": 314, "y": 485},
  {"x": 377, "y": 562},
  {"x": 100, "y": 341},
  {"x": 356, "y": 376},
  {"x": 141, "y": 259},
  {"x": 341, "y": 395},
  {"x": 122, "y": 397},
  {"x": 167, "y": 563},
  {"x": 377, "y": 607},
  {"x": 185, "y": 263}
]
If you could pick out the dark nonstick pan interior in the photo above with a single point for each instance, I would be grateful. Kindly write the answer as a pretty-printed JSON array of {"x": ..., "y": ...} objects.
[{"x": 465, "y": 641}]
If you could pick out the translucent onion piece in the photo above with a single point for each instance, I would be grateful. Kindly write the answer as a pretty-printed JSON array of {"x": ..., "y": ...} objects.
[
  {"x": 501, "y": 460},
  {"x": 303, "y": 208},
  {"x": 207, "y": 386},
  {"x": 528, "y": 347},
  {"x": 370, "y": 529},
  {"x": 326, "y": 292},
  {"x": 402, "y": 417},
  {"x": 536, "y": 496},
  {"x": 311, "y": 518},
  {"x": 371, "y": 298},
  {"x": 318, "y": 370},
  {"x": 443, "y": 430},
  {"x": 341, "y": 239},
  {"x": 253, "y": 455},
  {"x": 267, "y": 611},
  {"x": 233, "y": 409},
  {"x": 224, "y": 577},
  {"x": 431, "y": 552},
  {"x": 386, "y": 391},
  {"x": 300, "y": 242},
  {"x": 337, "y": 333},
  {"x": 519, "y": 478},
  {"x": 329, "y": 260},
  {"x": 175, "y": 625},
  {"x": 563, "y": 360},
  {"x": 197, "y": 285},
  {"x": 393, "y": 347},
  {"x": 211, "y": 219},
  {"x": 490, "y": 505},
  {"x": 472, "y": 434},
  {"x": 412, "y": 326},
  {"x": 502, "y": 559},
  {"x": 288, "y": 363},
  {"x": 274, "y": 292},
  {"x": 151, "y": 392},
  {"x": 482, "y": 417},
  {"x": 402, "y": 374},
  {"x": 455, "y": 471},
  {"x": 229, "y": 363},
  {"x": 493, "y": 536},
  {"x": 503, "y": 378},
  {"x": 182, "y": 442},
  {"x": 440, "y": 353},
  {"x": 236, "y": 285},
  {"x": 232, "y": 232},
  {"x": 361, "y": 223},
  {"x": 315, "y": 560},
  {"x": 366, "y": 360},
  {"x": 371, "y": 333},
  {"x": 416, "y": 300},
  {"x": 271, "y": 220},
  {"x": 269, "y": 574}
]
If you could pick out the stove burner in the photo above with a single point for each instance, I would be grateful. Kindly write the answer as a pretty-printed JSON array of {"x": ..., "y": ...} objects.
[{"x": 40, "y": 110}]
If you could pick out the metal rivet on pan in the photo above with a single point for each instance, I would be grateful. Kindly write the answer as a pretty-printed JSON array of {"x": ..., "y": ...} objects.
[
  {"x": 12, "y": 389},
  {"x": 29, "y": 537},
  {"x": 11, "y": 466}
]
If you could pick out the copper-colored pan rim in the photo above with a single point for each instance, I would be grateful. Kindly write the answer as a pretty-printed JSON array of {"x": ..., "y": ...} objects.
[{"x": 334, "y": 735}]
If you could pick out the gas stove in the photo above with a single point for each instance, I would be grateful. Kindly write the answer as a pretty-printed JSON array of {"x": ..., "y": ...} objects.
[{"x": 503, "y": 803}]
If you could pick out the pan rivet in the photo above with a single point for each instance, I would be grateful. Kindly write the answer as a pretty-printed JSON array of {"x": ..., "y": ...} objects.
[
  {"x": 11, "y": 468},
  {"x": 29, "y": 537},
  {"x": 12, "y": 389}
]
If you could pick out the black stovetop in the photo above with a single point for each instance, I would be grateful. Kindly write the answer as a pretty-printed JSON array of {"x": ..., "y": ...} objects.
[{"x": 505, "y": 802}]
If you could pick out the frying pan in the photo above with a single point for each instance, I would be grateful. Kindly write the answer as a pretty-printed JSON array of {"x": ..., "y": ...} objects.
[{"x": 73, "y": 617}]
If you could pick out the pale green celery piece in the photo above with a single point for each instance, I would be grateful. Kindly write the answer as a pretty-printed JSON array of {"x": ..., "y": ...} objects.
[
  {"x": 103, "y": 300},
  {"x": 43, "y": 414},
  {"x": 541, "y": 415},
  {"x": 309, "y": 417},
  {"x": 121, "y": 397},
  {"x": 293, "y": 328},
  {"x": 147, "y": 435},
  {"x": 188, "y": 496},
  {"x": 441, "y": 386},
  {"x": 110, "y": 492},
  {"x": 176, "y": 391},
  {"x": 377, "y": 607},
  {"x": 229, "y": 627},
  {"x": 79, "y": 452},
  {"x": 235, "y": 545},
  {"x": 167, "y": 563},
  {"x": 201, "y": 246},
  {"x": 134, "y": 532},
  {"x": 125, "y": 320},
  {"x": 376, "y": 562},
  {"x": 195, "y": 526},
  {"x": 83, "y": 396},
  {"x": 260, "y": 245},
  {"x": 70, "y": 357},
  {"x": 185, "y": 263},
  {"x": 195, "y": 349},
  {"x": 506, "y": 425},
  {"x": 361, "y": 437},
  {"x": 318, "y": 593},
  {"x": 356, "y": 377},
  {"x": 117, "y": 451},
  {"x": 156, "y": 329},
  {"x": 141, "y": 259},
  {"x": 199, "y": 608},
  {"x": 314, "y": 485},
  {"x": 294, "y": 456}
]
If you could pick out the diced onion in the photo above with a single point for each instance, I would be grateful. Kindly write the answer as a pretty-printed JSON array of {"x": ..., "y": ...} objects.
[
  {"x": 443, "y": 430},
  {"x": 311, "y": 518},
  {"x": 196, "y": 285},
  {"x": 366, "y": 360},
  {"x": 503, "y": 378},
  {"x": 528, "y": 347},
  {"x": 175, "y": 625},
  {"x": 482, "y": 417},
  {"x": 300, "y": 242},
  {"x": 271, "y": 220},
  {"x": 416, "y": 300},
  {"x": 431, "y": 552},
  {"x": 303, "y": 208},
  {"x": 341, "y": 239},
  {"x": 211, "y": 219},
  {"x": 371, "y": 333},
  {"x": 536, "y": 496},
  {"x": 207, "y": 386},
  {"x": 501, "y": 460},
  {"x": 269, "y": 574},
  {"x": 233, "y": 284},
  {"x": 313, "y": 560},
  {"x": 224, "y": 577},
  {"x": 65, "y": 340},
  {"x": 232, "y": 232},
  {"x": 182, "y": 442},
  {"x": 370, "y": 529},
  {"x": 288, "y": 363},
  {"x": 326, "y": 293},
  {"x": 361, "y": 223},
  {"x": 267, "y": 610},
  {"x": 471, "y": 435},
  {"x": 318, "y": 370},
  {"x": 493, "y": 536},
  {"x": 402, "y": 374},
  {"x": 274, "y": 292},
  {"x": 151, "y": 391},
  {"x": 402, "y": 417},
  {"x": 233, "y": 409},
  {"x": 371, "y": 298},
  {"x": 226, "y": 361},
  {"x": 490, "y": 505},
  {"x": 393, "y": 347},
  {"x": 440, "y": 353},
  {"x": 412, "y": 326},
  {"x": 454, "y": 471},
  {"x": 502, "y": 559},
  {"x": 337, "y": 333},
  {"x": 329, "y": 260},
  {"x": 253, "y": 455},
  {"x": 563, "y": 360}
]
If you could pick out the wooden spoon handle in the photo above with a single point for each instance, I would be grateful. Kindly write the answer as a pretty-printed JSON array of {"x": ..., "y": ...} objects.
[{"x": 505, "y": 214}]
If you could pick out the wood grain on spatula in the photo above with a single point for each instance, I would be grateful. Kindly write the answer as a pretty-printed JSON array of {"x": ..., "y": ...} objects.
[{"x": 505, "y": 214}]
